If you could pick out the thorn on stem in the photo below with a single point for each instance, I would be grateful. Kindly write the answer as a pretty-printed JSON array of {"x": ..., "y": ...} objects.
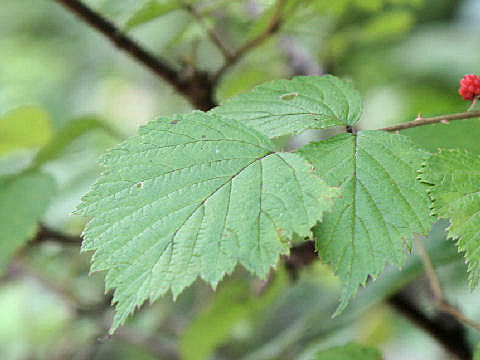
[{"x": 446, "y": 122}]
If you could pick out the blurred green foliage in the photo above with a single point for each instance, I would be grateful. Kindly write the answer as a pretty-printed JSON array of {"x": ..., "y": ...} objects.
[
  {"x": 233, "y": 305},
  {"x": 66, "y": 95},
  {"x": 23, "y": 128},
  {"x": 350, "y": 351}
]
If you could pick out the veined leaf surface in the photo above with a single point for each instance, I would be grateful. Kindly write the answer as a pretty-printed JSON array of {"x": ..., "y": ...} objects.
[
  {"x": 383, "y": 204},
  {"x": 193, "y": 196},
  {"x": 455, "y": 193},
  {"x": 284, "y": 107}
]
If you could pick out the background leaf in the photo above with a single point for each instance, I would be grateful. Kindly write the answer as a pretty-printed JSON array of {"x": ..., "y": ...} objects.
[
  {"x": 382, "y": 205},
  {"x": 23, "y": 200},
  {"x": 283, "y": 107},
  {"x": 455, "y": 194},
  {"x": 151, "y": 10},
  {"x": 24, "y": 127},
  {"x": 68, "y": 133},
  {"x": 192, "y": 197}
]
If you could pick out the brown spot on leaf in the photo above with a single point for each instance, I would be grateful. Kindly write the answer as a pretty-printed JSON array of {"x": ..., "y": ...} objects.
[{"x": 289, "y": 96}]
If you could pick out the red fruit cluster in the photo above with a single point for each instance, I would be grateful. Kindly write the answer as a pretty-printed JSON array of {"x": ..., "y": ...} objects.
[{"x": 469, "y": 87}]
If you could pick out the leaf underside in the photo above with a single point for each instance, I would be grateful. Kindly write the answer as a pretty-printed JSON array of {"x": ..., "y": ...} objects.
[
  {"x": 193, "y": 196},
  {"x": 285, "y": 107},
  {"x": 382, "y": 206},
  {"x": 455, "y": 193}
]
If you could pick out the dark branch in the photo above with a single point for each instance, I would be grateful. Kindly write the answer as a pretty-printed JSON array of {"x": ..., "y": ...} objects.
[
  {"x": 301, "y": 255},
  {"x": 197, "y": 88},
  {"x": 444, "y": 328},
  {"x": 44, "y": 234}
]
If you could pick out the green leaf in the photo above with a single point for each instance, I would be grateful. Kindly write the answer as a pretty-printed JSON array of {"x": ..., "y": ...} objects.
[
  {"x": 23, "y": 200},
  {"x": 350, "y": 351},
  {"x": 283, "y": 107},
  {"x": 476, "y": 354},
  {"x": 455, "y": 194},
  {"x": 25, "y": 127},
  {"x": 382, "y": 206},
  {"x": 67, "y": 134},
  {"x": 151, "y": 10},
  {"x": 194, "y": 196}
]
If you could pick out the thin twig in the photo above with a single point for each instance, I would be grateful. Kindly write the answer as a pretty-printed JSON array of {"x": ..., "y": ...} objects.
[
  {"x": 421, "y": 121},
  {"x": 273, "y": 26},
  {"x": 189, "y": 89},
  {"x": 125, "y": 43},
  {"x": 213, "y": 35},
  {"x": 457, "y": 314},
  {"x": 441, "y": 303},
  {"x": 430, "y": 271},
  {"x": 474, "y": 102}
]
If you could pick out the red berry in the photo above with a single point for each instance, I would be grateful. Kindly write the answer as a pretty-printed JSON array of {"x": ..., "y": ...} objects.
[{"x": 469, "y": 87}]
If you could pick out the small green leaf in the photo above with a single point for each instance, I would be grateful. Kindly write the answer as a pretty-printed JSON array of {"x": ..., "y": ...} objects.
[
  {"x": 382, "y": 207},
  {"x": 193, "y": 196},
  {"x": 23, "y": 200},
  {"x": 151, "y": 10},
  {"x": 25, "y": 127},
  {"x": 455, "y": 193},
  {"x": 350, "y": 351},
  {"x": 283, "y": 107}
]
